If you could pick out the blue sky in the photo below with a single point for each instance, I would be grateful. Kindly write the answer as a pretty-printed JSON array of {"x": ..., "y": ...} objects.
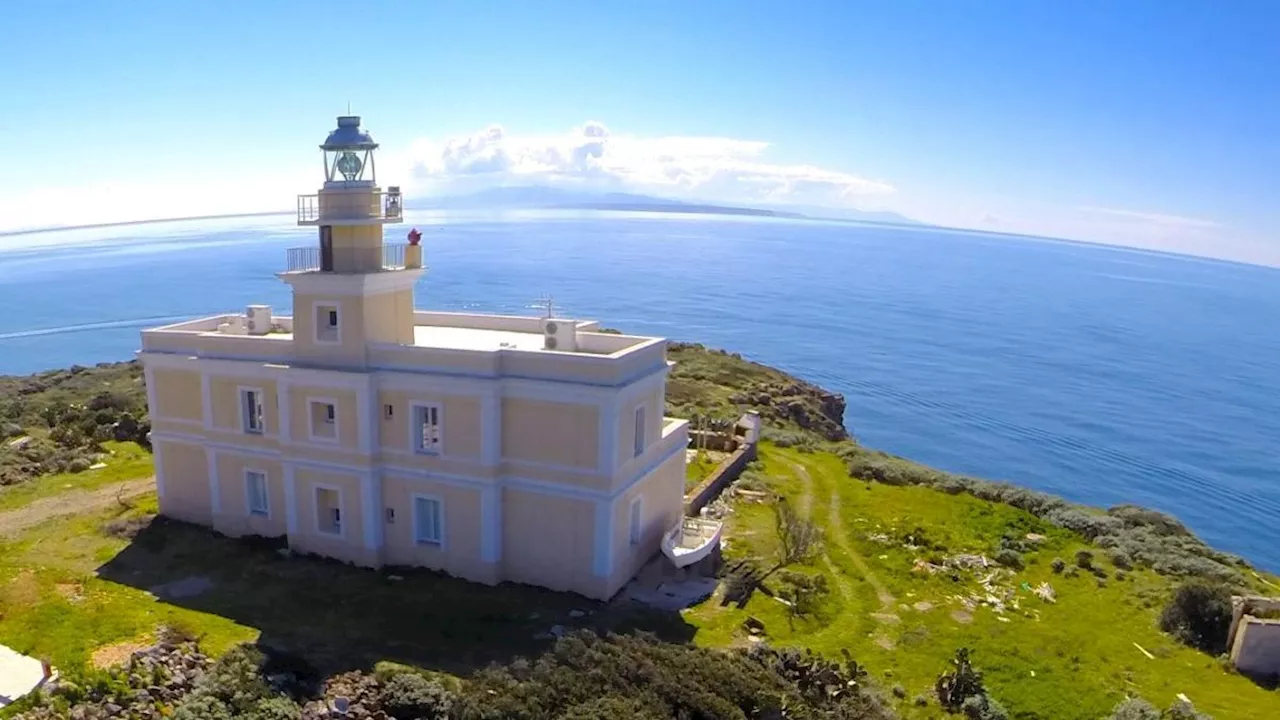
[{"x": 1147, "y": 122}]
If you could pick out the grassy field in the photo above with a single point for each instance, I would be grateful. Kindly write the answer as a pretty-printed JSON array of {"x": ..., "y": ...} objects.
[
  {"x": 1071, "y": 659},
  {"x": 126, "y": 461},
  {"x": 71, "y": 587}
]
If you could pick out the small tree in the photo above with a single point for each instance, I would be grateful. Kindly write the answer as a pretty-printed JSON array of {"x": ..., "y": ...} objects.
[
  {"x": 1199, "y": 614},
  {"x": 798, "y": 539},
  {"x": 960, "y": 684}
]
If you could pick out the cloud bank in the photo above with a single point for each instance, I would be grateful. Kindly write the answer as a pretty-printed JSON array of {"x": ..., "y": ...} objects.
[{"x": 710, "y": 168}]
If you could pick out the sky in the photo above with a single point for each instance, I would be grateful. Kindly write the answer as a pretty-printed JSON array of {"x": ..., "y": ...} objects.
[{"x": 1152, "y": 123}]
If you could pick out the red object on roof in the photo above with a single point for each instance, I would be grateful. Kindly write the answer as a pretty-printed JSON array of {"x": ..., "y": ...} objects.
[{"x": 414, "y": 236}]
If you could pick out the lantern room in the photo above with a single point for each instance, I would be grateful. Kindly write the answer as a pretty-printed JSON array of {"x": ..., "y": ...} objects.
[{"x": 348, "y": 154}]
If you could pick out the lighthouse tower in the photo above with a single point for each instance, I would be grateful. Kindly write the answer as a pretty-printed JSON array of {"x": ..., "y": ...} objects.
[{"x": 350, "y": 288}]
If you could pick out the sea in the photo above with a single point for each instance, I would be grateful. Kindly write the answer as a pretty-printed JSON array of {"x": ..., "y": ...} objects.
[{"x": 1101, "y": 374}]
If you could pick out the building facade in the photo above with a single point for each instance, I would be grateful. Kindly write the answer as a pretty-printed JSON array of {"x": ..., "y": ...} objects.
[{"x": 530, "y": 449}]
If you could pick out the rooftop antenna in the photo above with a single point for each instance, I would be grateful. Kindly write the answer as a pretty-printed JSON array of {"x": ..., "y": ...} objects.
[
  {"x": 550, "y": 306},
  {"x": 348, "y": 107}
]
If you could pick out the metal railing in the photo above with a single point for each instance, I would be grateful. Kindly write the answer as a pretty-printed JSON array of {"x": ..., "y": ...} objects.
[
  {"x": 302, "y": 259},
  {"x": 382, "y": 205},
  {"x": 308, "y": 259}
]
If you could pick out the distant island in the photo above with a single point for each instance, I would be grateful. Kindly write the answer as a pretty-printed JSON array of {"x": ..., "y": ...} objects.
[{"x": 536, "y": 197}]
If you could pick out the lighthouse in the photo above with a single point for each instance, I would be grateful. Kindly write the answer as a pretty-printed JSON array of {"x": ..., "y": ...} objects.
[{"x": 351, "y": 288}]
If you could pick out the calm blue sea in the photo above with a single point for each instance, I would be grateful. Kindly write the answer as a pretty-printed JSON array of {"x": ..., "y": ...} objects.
[{"x": 1100, "y": 374}]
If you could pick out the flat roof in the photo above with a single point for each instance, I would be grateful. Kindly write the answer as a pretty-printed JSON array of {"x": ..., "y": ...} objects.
[{"x": 464, "y": 338}]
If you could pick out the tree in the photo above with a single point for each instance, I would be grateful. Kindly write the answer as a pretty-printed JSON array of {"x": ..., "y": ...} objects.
[
  {"x": 1199, "y": 614},
  {"x": 798, "y": 538}
]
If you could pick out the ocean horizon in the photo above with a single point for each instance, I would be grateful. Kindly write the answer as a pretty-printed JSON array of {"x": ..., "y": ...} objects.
[{"x": 1103, "y": 374}]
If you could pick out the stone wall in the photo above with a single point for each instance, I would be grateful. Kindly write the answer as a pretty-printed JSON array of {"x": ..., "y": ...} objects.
[
  {"x": 1255, "y": 641},
  {"x": 746, "y": 438}
]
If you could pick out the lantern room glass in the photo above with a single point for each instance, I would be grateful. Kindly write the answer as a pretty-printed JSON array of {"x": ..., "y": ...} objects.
[{"x": 349, "y": 165}]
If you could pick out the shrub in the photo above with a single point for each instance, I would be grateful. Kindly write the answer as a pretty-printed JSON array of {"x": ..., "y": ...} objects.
[
  {"x": 410, "y": 695},
  {"x": 1199, "y": 615},
  {"x": 983, "y": 707},
  {"x": 1135, "y": 709},
  {"x": 1010, "y": 559},
  {"x": 79, "y": 465},
  {"x": 1058, "y": 565},
  {"x": 960, "y": 684},
  {"x": 1084, "y": 560},
  {"x": 584, "y": 675},
  {"x": 1121, "y": 559}
]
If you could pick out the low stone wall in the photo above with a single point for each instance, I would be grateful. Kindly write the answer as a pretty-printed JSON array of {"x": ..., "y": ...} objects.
[
  {"x": 728, "y": 470},
  {"x": 725, "y": 473},
  {"x": 707, "y": 440},
  {"x": 1255, "y": 641}
]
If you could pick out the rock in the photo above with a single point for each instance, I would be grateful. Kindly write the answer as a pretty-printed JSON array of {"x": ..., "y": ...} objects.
[
  {"x": 576, "y": 613},
  {"x": 557, "y": 630}
]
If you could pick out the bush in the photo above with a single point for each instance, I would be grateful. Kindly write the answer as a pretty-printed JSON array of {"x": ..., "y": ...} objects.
[
  {"x": 1199, "y": 615},
  {"x": 1121, "y": 559},
  {"x": 1010, "y": 559},
  {"x": 1058, "y": 565},
  {"x": 983, "y": 707},
  {"x": 1135, "y": 709},
  {"x": 584, "y": 674},
  {"x": 1181, "y": 710},
  {"x": 1084, "y": 560},
  {"x": 410, "y": 695},
  {"x": 79, "y": 465}
]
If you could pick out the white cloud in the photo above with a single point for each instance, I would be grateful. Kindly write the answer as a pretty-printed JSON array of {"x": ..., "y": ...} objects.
[
  {"x": 713, "y": 168},
  {"x": 1169, "y": 221}
]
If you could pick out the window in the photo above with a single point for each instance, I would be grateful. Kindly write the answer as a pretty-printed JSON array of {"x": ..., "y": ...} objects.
[
  {"x": 327, "y": 325},
  {"x": 328, "y": 511},
  {"x": 428, "y": 521},
  {"x": 639, "y": 439},
  {"x": 251, "y": 410},
  {"x": 324, "y": 420},
  {"x": 426, "y": 429},
  {"x": 256, "y": 490},
  {"x": 635, "y": 521}
]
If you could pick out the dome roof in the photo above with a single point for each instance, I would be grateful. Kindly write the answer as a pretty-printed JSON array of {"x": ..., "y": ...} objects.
[{"x": 349, "y": 136}]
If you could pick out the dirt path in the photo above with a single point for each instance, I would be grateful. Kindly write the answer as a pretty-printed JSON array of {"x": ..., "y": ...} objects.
[
  {"x": 837, "y": 536},
  {"x": 13, "y": 522}
]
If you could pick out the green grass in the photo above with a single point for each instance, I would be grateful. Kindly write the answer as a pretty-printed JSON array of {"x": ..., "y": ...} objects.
[
  {"x": 68, "y": 587},
  {"x": 127, "y": 461},
  {"x": 699, "y": 469},
  {"x": 1074, "y": 659}
]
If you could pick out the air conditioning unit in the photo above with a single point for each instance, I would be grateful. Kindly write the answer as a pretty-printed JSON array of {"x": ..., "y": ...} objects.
[
  {"x": 258, "y": 318},
  {"x": 559, "y": 334}
]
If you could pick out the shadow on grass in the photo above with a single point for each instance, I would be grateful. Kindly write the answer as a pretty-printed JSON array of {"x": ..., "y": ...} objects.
[{"x": 339, "y": 617}]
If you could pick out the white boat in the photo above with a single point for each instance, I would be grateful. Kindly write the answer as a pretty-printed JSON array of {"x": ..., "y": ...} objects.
[{"x": 691, "y": 540}]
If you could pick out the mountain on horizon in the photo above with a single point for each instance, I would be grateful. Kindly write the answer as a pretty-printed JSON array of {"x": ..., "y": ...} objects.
[{"x": 527, "y": 197}]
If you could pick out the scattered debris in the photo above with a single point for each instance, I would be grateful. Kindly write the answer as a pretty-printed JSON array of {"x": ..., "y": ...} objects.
[
  {"x": 576, "y": 613},
  {"x": 97, "y": 466},
  {"x": 20, "y": 442},
  {"x": 1045, "y": 592},
  {"x": 753, "y": 625},
  {"x": 1036, "y": 537},
  {"x": 923, "y": 606},
  {"x": 1144, "y": 652}
]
